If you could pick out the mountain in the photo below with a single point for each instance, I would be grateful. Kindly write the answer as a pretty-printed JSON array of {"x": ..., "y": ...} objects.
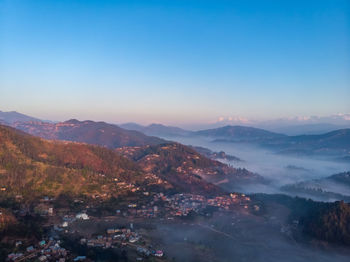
[
  {"x": 335, "y": 143},
  {"x": 13, "y": 116},
  {"x": 31, "y": 166},
  {"x": 97, "y": 133},
  {"x": 177, "y": 163},
  {"x": 157, "y": 130},
  {"x": 332, "y": 143},
  {"x": 308, "y": 129},
  {"x": 290, "y": 125},
  {"x": 238, "y": 134}
]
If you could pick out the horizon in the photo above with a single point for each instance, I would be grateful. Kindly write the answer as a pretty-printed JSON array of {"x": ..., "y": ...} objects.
[
  {"x": 337, "y": 121},
  {"x": 180, "y": 63}
]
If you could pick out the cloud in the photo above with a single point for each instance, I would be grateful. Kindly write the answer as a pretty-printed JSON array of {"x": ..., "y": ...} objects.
[{"x": 221, "y": 119}]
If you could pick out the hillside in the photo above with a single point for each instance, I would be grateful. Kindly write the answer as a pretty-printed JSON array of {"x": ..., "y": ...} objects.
[
  {"x": 325, "y": 221},
  {"x": 31, "y": 166},
  {"x": 329, "y": 222},
  {"x": 97, "y": 133},
  {"x": 177, "y": 163}
]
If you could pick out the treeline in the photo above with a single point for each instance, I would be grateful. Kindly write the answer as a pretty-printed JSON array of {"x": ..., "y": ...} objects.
[
  {"x": 329, "y": 222},
  {"x": 321, "y": 220}
]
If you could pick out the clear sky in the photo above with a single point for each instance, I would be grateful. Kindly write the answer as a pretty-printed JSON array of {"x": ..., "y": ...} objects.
[{"x": 174, "y": 61}]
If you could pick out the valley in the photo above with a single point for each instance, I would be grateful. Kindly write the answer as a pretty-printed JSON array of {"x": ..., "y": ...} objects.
[{"x": 145, "y": 202}]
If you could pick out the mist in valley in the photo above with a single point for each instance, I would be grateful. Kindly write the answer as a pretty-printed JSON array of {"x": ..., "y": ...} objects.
[
  {"x": 278, "y": 169},
  {"x": 245, "y": 237}
]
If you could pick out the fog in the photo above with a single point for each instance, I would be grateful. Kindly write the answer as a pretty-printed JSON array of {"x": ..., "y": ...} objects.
[
  {"x": 239, "y": 237},
  {"x": 278, "y": 169}
]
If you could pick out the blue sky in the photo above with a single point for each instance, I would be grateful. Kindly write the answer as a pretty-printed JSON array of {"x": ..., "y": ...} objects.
[{"x": 174, "y": 62}]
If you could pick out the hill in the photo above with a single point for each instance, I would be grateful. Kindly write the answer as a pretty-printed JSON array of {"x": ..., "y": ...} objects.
[
  {"x": 325, "y": 221},
  {"x": 329, "y": 222},
  {"x": 31, "y": 166},
  {"x": 97, "y": 133},
  {"x": 177, "y": 163}
]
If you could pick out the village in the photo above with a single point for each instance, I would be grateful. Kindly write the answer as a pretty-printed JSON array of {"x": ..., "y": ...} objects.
[{"x": 157, "y": 206}]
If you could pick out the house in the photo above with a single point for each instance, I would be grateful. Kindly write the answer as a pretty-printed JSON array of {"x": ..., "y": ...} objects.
[
  {"x": 30, "y": 249},
  {"x": 82, "y": 216},
  {"x": 159, "y": 253},
  {"x": 14, "y": 256},
  {"x": 110, "y": 231}
]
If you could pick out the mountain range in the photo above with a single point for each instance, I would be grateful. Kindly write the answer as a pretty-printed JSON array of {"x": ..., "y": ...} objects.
[
  {"x": 33, "y": 166},
  {"x": 335, "y": 143},
  {"x": 332, "y": 144}
]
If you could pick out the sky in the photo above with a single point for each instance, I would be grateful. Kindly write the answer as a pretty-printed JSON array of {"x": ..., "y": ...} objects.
[{"x": 174, "y": 62}]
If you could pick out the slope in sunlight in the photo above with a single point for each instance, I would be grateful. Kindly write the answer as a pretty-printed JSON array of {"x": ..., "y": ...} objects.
[{"x": 34, "y": 166}]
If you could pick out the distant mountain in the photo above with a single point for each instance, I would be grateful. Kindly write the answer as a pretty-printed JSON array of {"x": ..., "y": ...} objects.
[
  {"x": 132, "y": 126},
  {"x": 239, "y": 134},
  {"x": 332, "y": 143},
  {"x": 97, "y": 133},
  {"x": 302, "y": 124},
  {"x": 13, "y": 116},
  {"x": 157, "y": 130},
  {"x": 308, "y": 129}
]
